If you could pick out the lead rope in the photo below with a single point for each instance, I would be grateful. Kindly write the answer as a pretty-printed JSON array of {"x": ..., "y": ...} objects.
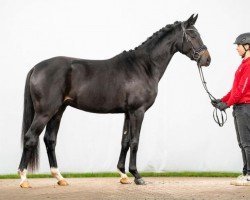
[{"x": 223, "y": 113}]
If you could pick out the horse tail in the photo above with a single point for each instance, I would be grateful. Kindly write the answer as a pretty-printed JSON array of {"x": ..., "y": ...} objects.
[{"x": 28, "y": 116}]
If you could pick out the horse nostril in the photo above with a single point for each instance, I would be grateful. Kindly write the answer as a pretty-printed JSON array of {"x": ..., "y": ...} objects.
[{"x": 208, "y": 60}]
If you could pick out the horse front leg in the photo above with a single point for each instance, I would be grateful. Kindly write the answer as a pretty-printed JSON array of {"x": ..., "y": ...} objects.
[
  {"x": 136, "y": 119},
  {"x": 124, "y": 149}
]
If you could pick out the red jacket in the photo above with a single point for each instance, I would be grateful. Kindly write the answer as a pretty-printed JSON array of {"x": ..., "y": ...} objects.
[{"x": 240, "y": 92}]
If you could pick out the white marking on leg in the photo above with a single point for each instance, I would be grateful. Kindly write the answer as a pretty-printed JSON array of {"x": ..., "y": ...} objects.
[
  {"x": 122, "y": 174},
  {"x": 23, "y": 175},
  {"x": 125, "y": 132},
  {"x": 56, "y": 174}
]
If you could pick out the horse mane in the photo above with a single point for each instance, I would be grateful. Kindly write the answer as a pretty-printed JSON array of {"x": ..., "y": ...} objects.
[
  {"x": 150, "y": 41},
  {"x": 157, "y": 35}
]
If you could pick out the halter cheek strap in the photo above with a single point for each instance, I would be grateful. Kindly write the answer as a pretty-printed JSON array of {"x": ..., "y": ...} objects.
[{"x": 196, "y": 51}]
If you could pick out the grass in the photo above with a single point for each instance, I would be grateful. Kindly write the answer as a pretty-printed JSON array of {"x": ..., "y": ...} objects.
[{"x": 114, "y": 174}]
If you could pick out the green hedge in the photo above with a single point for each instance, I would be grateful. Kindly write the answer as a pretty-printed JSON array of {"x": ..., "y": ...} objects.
[{"x": 144, "y": 174}]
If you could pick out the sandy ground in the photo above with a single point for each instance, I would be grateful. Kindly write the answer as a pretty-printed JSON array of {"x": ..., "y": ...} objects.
[{"x": 110, "y": 188}]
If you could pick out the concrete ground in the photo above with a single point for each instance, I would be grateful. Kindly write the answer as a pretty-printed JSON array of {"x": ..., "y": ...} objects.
[{"x": 109, "y": 188}]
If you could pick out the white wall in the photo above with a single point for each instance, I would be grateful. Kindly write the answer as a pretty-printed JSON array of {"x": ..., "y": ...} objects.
[{"x": 178, "y": 132}]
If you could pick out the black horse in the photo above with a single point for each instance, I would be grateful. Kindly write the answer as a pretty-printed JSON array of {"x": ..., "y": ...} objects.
[{"x": 126, "y": 83}]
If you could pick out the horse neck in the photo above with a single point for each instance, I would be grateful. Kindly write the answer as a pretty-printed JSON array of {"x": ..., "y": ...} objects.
[{"x": 161, "y": 54}]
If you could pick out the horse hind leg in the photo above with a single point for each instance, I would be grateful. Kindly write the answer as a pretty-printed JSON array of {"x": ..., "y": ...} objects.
[
  {"x": 30, "y": 147},
  {"x": 50, "y": 138},
  {"x": 124, "y": 149}
]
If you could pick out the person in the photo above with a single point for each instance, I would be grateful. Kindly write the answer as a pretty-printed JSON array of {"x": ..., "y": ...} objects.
[{"x": 239, "y": 98}]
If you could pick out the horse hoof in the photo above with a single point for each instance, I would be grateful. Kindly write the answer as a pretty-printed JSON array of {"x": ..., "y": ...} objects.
[
  {"x": 139, "y": 181},
  {"x": 62, "y": 182},
  {"x": 25, "y": 184},
  {"x": 125, "y": 180}
]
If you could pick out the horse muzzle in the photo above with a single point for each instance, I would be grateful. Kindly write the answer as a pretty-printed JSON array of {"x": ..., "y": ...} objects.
[{"x": 204, "y": 58}]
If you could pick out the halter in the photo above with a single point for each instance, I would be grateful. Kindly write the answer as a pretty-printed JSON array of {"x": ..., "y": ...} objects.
[
  {"x": 196, "y": 52},
  {"x": 196, "y": 56}
]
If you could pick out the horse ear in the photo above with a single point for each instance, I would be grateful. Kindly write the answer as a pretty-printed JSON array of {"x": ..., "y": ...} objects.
[{"x": 191, "y": 21}]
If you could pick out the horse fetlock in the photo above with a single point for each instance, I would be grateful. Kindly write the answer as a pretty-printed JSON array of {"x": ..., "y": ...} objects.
[
  {"x": 56, "y": 174},
  {"x": 124, "y": 178},
  {"x": 133, "y": 170},
  {"x": 22, "y": 174},
  {"x": 121, "y": 168}
]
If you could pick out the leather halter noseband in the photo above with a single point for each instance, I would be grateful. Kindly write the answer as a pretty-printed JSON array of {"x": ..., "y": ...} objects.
[{"x": 196, "y": 52}]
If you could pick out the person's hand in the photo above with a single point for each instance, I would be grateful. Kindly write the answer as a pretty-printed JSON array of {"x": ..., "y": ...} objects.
[
  {"x": 214, "y": 102},
  {"x": 221, "y": 106}
]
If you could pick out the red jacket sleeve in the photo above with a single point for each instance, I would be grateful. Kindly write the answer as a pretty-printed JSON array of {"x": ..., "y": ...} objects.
[
  {"x": 240, "y": 88},
  {"x": 226, "y": 97}
]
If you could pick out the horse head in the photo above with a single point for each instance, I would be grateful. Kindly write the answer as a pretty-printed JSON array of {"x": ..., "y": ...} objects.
[{"x": 191, "y": 43}]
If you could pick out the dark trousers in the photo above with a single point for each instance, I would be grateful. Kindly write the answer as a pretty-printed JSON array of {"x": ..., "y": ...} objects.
[{"x": 241, "y": 113}]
